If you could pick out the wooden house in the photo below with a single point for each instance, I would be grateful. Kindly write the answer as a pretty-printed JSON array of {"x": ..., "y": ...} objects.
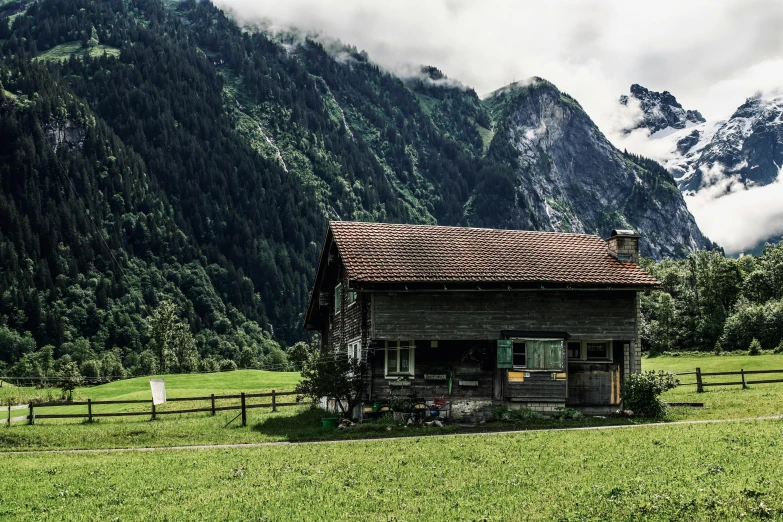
[{"x": 482, "y": 317}]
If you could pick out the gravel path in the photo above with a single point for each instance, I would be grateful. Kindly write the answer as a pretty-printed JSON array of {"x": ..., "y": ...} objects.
[{"x": 382, "y": 439}]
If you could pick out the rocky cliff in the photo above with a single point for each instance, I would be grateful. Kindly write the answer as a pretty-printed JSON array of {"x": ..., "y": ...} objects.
[
  {"x": 660, "y": 110},
  {"x": 568, "y": 177}
]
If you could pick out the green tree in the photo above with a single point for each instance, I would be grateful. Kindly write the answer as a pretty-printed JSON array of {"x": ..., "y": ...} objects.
[
  {"x": 69, "y": 378},
  {"x": 171, "y": 340},
  {"x": 334, "y": 376}
]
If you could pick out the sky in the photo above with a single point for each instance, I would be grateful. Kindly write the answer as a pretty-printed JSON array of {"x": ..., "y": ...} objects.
[{"x": 710, "y": 54}]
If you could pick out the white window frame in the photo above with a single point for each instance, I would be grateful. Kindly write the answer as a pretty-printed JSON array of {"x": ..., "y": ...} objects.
[
  {"x": 395, "y": 345},
  {"x": 583, "y": 351},
  {"x": 354, "y": 350},
  {"x": 351, "y": 298}
]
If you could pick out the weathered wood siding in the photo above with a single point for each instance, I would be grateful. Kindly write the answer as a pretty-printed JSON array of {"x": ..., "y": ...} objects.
[
  {"x": 596, "y": 315},
  {"x": 466, "y": 361},
  {"x": 594, "y": 384},
  {"x": 345, "y": 325}
]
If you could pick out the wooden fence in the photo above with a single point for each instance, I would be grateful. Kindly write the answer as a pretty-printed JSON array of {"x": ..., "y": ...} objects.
[
  {"x": 153, "y": 412},
  {"x": 743, "y": 374}
]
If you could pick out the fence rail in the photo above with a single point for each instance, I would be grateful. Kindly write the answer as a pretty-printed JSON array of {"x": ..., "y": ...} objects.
[
  {"x": 243, "y": 406},
  {"x": 744, "y": 382}
]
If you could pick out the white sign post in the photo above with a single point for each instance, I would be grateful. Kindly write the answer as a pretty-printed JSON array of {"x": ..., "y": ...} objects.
[{"x": 158, "y": 391}]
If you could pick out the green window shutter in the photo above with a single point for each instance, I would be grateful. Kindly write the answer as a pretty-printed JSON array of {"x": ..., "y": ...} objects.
[
  {"x": 504, "y": 353},
  {"x": 544, "y": 355}
]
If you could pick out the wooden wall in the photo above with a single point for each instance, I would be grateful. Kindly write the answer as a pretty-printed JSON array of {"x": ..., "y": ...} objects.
[{"x": 482, "y": 315}]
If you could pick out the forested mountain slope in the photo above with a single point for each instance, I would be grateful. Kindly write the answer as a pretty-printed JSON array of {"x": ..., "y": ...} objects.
[{"x": 156, "y": 152}]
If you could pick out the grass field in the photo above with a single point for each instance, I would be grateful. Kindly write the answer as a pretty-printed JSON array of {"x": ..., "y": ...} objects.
[
  {"x": 66, "y": 50},
  {"x": 722, "y": 402},
  {"x": 702, "y": 472}
]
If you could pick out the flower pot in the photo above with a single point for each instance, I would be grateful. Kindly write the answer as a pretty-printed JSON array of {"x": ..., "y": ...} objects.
[{"x": 329, "y": 422}]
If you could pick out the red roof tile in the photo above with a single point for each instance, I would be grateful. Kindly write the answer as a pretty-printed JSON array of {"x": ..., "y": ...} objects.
[{"x": 384, "y": 253}]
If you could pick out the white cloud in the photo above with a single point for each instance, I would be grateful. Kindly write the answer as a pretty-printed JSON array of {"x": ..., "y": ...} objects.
[
  {"x": 711, "y": 54},
  {"x": 739, "y": 219}
]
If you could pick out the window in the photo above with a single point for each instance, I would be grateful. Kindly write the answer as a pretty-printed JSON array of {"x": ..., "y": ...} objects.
[
  {"x": 590, "y": 351},
  {"x": 399, "y": 357},
  {"x": 537, "y": 354},
  {"x": 338, "y": 297},
  {"x": 597, "y": 351},
  {"x": 518, "y": 355},
  {"x": 355, "y": 350},
  {"x": 351, "y": 297}
]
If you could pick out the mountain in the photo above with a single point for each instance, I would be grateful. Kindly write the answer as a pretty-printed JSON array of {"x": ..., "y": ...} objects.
[
  {"x": 744, "y": 149},
  {"x": 155, "y": 151},
  {"x": 660, "y": 110},
  {"x": 565, "y": 175}
]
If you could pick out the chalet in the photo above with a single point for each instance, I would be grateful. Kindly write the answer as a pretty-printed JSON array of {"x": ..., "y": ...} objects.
[{"x": 483, "y": 317}]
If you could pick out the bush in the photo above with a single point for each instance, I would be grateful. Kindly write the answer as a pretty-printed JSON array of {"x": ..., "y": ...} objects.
[
  {"x": 227, "y": 365},
  {"x": 755, "y": 347},
  {"x": 525, "y": 414},
  {"x": 209, "y": 365},
  {"x": 779, "y": 347},
  {"x": 91, "y": 369},
  {"x": 641, "y": 391},
  {"x": 718, "y": 348},
  {"x": 567, "y": 414},
  {"x": 332, "y": 375},
  {"x": 500, "y": 412}
]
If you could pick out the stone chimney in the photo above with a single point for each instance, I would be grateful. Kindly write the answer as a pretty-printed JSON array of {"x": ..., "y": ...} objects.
[{"x": 624, "y": 245}]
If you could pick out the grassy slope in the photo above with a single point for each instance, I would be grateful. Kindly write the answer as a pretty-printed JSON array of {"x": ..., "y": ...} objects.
[
  {"x": 703, "y": 472},
  {"x": 64, "y": 51},
  {"x": 723, "y": 402}
]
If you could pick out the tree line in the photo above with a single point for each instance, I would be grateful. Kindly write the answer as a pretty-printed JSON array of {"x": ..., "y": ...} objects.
[{"x": 710, "y": 302}]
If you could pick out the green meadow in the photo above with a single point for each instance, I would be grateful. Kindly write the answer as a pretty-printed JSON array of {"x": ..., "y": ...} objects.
[
  {"x": 710, "y": 472},
  {"x": 722, "y": 402}
]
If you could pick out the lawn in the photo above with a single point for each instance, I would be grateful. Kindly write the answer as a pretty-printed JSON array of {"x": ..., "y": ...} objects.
[
  {"x": 698, "y": 472},
  {"x": 722, "y": 402}
]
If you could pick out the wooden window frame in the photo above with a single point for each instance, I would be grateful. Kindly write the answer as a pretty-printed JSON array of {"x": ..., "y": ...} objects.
[
  {"x": 516, "y": 340},
  {"x": 395, "y": 345},
  {"x": 583, "y": 358},
  {"x": 338, "y": 298},
  {"x": 351, "y": 296}
]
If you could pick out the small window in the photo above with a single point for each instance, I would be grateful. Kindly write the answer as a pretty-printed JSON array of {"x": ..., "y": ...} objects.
[
  {"x": 355, "y": 350},
  {"x": 519, "y": 355},
  {"x": 338, "y": 297},
  {"x": 399, "y": 357},
  {"x": 597, "y": 351},
  {"x": 351, "y": 297},
  {"x": 575, "y": 350}
]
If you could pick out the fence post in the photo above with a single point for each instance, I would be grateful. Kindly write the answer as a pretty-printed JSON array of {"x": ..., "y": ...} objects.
[
  {"x": 9, "y": 413},
  {"x": 213, "y": 404},
  {"x": 744, "y": 383},
  {"x": 32, "y": 414},
  {"x": 699, "y": 385},
  {"x": 244, "y": 411},
  {"x": 153, "y": 410},
  {"x": 89, "y": 410},
  {"x": 274, "y": 401}
]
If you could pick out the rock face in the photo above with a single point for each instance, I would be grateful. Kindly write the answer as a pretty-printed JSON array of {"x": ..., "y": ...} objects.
[
  {"x": 661, "y": 110},
  {"x": 568, "y": 177},
  {"x": 747, "y": 148}
]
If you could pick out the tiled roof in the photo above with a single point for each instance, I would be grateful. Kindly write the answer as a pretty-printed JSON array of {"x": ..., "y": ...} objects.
[{"x": 385, "y": 253}]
